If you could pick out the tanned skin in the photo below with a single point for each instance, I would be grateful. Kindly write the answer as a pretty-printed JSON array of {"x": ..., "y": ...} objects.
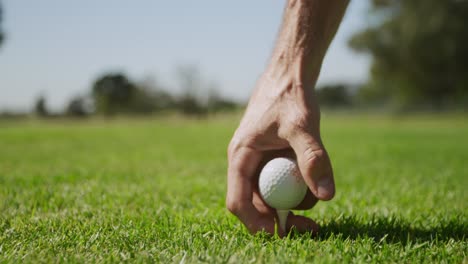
[{"x": 283, "y": 118}]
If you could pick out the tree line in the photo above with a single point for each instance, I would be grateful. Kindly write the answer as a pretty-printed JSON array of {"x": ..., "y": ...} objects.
[
  {"x": 419, "y": 53},
  {"x": 114, "y": 93}
]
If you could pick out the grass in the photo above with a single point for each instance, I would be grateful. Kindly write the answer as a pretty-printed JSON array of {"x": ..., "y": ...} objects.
[{"x": 153, "y": 190}]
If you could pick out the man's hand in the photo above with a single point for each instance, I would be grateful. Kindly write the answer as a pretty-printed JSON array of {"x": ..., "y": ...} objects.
[{"x": 282, "y": 119}]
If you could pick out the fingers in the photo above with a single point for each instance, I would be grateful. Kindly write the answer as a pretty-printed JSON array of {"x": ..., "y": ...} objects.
[
  {"x": 269, "y": 216},
  {"x": 243, "y": 162},
  {"x": 302, "y": 224},
  {"x": 244, "y": 201},
  {"x": 309, "y": 201},
  {"x": 314, "y": 164}
]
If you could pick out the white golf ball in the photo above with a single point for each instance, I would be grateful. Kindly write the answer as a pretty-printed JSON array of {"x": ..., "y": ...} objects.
[{"x": 281, "y": 185}]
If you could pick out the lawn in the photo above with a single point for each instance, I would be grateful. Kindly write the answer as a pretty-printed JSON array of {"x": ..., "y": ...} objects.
[{"x": 153, "y": 190}]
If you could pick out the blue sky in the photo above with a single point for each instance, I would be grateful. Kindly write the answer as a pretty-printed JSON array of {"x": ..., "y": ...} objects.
[{"x": 59, "y": 47}]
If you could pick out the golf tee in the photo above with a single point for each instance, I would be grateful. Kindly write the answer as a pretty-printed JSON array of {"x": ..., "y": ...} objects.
[{"x": 282, "y": 217}]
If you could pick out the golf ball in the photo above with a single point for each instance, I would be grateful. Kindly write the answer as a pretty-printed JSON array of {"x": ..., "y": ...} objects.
[{"x": 281, "y": 185}]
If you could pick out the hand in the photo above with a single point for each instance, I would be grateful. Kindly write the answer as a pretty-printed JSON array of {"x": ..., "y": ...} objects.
[{"x": 281, "y": 119}]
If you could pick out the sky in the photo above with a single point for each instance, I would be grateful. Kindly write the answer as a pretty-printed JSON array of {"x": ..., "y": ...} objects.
[{"x": 58, "y": 48}]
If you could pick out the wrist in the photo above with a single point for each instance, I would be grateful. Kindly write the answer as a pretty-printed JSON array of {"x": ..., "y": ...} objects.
[{"x": 295, "y": 70}]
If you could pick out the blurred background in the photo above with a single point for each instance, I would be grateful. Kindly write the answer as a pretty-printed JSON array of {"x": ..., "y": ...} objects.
[{"x": 106, "y": 58}]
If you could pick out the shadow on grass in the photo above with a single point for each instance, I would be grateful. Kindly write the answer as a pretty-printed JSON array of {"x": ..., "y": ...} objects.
[{"x": 394, "y": 230}]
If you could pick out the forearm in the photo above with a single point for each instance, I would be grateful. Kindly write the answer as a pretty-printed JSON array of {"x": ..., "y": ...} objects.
[{"x": 306, "y": 32}]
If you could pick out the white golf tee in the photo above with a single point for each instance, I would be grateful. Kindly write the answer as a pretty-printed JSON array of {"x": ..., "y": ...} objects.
[{"x": 282, "y": 217}]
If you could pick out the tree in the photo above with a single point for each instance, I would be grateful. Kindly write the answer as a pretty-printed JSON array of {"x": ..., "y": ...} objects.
[
  {"x": 217, "y": 103},
  {"x": 419, "y": 52},
  {"x": 335, "y": 95},
  {"x": 152, "y": 97},
  {"x": 114, "y": 93},
  {"x": 191, "y": 84},
  {"x": 2, "y": 35},
  {"x": 79, "y": 106},
  {"x": 40, "y": 106}
]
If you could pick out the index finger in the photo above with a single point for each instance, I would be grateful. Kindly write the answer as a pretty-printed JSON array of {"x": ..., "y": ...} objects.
[{"x": 243, "y": 163}]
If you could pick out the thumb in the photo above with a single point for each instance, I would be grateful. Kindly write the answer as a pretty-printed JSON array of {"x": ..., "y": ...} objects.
[{"x": 314, "y": 164}]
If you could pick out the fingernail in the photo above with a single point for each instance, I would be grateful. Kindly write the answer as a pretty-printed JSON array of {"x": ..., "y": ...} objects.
[{"x": 325, "y": 188}]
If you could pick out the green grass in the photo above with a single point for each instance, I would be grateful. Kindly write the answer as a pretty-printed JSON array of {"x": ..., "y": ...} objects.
[{"x": 153, "y": 190}]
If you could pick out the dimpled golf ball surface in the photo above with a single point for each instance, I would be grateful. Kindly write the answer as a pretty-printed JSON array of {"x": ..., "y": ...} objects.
[{"x": 281, "y": 185}]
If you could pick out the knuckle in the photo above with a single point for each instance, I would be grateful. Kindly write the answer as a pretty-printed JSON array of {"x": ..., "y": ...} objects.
[
  {"x": 299, "y": 121},
  {"x": 234, "y": 146},
  {"x": 302, "y": 120},
  {"x": 313, "y": 155},
  {"x": 239, "y": 143},
  {"x": 232, "y": 206},
  {"x": 298, "y": 124}
]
